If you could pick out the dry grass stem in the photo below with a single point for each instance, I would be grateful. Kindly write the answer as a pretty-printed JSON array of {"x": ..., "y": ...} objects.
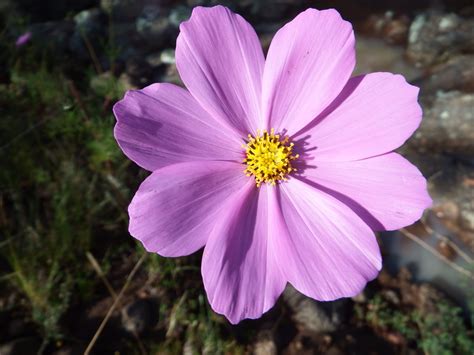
[{"x": 115, "y": 304}]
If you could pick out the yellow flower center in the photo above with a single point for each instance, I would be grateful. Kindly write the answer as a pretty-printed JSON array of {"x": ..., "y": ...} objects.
[{"x": 269, "y": 158}]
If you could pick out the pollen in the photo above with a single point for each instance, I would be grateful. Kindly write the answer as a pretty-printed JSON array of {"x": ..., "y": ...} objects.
[{"x": 269, "y": 157}]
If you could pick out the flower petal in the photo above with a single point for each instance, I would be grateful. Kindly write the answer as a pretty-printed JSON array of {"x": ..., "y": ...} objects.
[
  {"x": 176, "y": 207},
  {"x": 241, "y": 275},
  {"x": 375, "y": 114},
  {"x": 330, "y": 252},
  {"x": 386, "y": 191},
  {"x": 220, "y": 60},
  {"x": 163, "y": 124},
  {"x": 309, "y": 61}
]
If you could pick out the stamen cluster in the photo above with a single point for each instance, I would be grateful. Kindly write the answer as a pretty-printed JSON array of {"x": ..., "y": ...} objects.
[{"x": 269, "y": 158}]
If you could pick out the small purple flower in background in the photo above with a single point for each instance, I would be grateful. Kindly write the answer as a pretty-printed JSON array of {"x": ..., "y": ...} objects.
[
  {"x": 23, "y": 39},
  {"x": 282, "y": 168}
]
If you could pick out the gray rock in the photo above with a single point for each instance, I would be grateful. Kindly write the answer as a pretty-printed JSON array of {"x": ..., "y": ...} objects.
[
  {"x": 360, "y": 298},
  {"x": 139, "y": 70},
  {"x": 90, "y": 30},
  {"x": 89, "y": 20},
  {"x": 392, "y": 27},
  {"x": 447, "y": 125},
  {"x": 434, "y": 37},
  {"x": 313, "y": 316},
  {"x": 154, "y": 59},
  {"x": 155, "y": 28},
  {"x": 374, "y": 54},
  {"x": 168, "y": 56},
  {"x": 265, "y": 343},
  {"x": 455, "y": 74},
  {"x": 467, "y": 214},
  {"x": 170, "y": 75},
  {"x": 127, "y": 40},
  {"x": 140, "y": 316}
]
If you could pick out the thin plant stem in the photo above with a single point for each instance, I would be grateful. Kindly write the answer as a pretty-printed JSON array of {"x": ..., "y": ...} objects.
[
  {"x": 114, "y": 305},
  {"x": 448, "y": 241},
  {"x": 433, "y": 251},
  {"x": 101, "y": 274},
  {"x": 90, "y": 49}
]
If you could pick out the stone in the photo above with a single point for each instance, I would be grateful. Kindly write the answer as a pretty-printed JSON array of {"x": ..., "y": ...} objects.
[
  {"x": 265, "y": 343},
  {"x": 391, "y": 296},
  {"x": 455, "y": 74},
  {"x": 169, "y": 74},
  {"x": 447, "y": 125},
  {"x": 90, "y": 20},
  {"x": 434, "y": 37},
  {"x": 467, "y": 215},
  {"x": 127, "y": 40},
  {"x": 313, "y": 316},
  {"x": 375, "y": 55},
  {"x": 360, "y": 297},
  {"x": 154, "y": 59},
  {"x": 154, "y": 27},
  {"x": 90, "y": 31},
  {"x": 139, "y": 70},
  {"x": 168, "y": 56},
  {"x": 140, "y": 316},
  {"x": 389, "y": 26}
]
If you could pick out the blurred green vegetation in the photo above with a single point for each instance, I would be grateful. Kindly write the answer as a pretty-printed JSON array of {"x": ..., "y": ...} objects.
[
  {"x": 64, "y": 190},
  {"x": 441, "y": 331},
  {"x": 60, "y": 183}
]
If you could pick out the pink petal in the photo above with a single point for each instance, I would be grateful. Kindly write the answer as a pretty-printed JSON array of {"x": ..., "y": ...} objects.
[
  {"x": 375, "y": 114},
  {"x": 163, "y": 124},
  {"x": 176, "y": 207},
  {"x": 241, "y": 275},
  {"x": 220, "y": 60},
  {"x": 330, "y": 252},
  {"x": 309, "y": 61},
  {"x": 386, "y": 191}
]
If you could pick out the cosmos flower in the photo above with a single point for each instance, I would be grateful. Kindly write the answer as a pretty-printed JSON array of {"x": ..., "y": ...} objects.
[
  {"x": 281, "y": 168},
  {"x": 23, "y": 39}
]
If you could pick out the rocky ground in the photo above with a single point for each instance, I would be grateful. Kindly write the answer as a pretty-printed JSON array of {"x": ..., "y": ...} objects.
[{"x": 95, "y": 50}]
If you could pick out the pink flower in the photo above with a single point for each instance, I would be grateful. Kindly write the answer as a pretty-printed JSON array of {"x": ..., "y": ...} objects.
[
  {"x": 23, "y": 39},
  {"x": 296, "y": 204}
]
